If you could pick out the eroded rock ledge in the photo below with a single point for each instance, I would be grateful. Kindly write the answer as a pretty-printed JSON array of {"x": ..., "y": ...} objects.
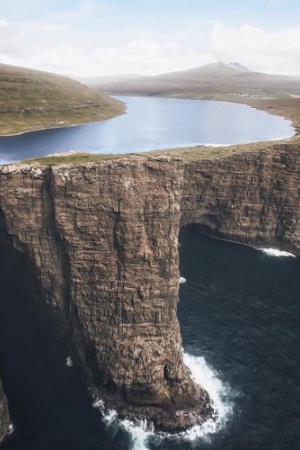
[{"x": 104, "y": 241}]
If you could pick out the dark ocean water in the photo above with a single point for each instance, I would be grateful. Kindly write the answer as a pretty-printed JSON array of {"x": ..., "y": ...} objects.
[
  {"x": 150, "y": 124},
  {"x": 239, "y": 312},
  {"x": 240, "y": 309}
]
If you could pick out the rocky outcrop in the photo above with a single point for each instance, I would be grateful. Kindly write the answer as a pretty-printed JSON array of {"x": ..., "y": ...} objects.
[
  {"x": 252, "y": 198},
  {"x": 103, "y": 241},
  {"x": 4, "y": 416}
]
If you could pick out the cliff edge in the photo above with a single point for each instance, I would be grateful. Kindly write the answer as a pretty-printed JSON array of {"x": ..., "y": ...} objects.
[{"x": 103, "y": 242}]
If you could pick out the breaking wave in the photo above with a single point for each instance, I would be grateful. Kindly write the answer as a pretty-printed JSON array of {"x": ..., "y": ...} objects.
[
  {"x": 276, "y": 253},
  {"x": 220, "y": 395},
  {"x": 11, "y": 429},
  {"x": 182, "y": 280},
  {"x": 139, "y": 432},
  {"x": 69, "y": 361},
  {"x": 142, "y": 434}
]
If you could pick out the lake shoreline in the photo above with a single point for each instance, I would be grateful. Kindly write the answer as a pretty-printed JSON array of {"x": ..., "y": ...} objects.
[{"x": 219, "y": 140}]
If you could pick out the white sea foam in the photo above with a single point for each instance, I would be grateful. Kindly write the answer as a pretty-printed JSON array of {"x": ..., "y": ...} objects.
[
  {"x": 69, "y": 361},
  {"x": 11, "y": 429},
  {"x": 141, "y": 433},
  {"x": 182, "y": 280},
  {"x": 277, "y": 253},
  {"x": 110, "y": 416},
  {"x": 98, "y": 403},
  {"x": 219, "y": 393}
]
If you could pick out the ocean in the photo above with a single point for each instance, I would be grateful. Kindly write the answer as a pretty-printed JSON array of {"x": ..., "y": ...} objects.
[{"x": 239, "y": 313}]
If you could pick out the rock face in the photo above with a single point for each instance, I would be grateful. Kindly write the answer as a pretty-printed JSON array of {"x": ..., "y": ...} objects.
[
  {"x": 4, "y": 416},
  {"x": 252, "y": 198},
  {"x": 103, "y": 241}
]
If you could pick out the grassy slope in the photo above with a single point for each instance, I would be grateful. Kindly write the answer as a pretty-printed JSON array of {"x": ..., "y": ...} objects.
[
  {"x": 30, "y": 100},
  {"x": 275, "y": 94},
  {"x": 215, "y": 81}
]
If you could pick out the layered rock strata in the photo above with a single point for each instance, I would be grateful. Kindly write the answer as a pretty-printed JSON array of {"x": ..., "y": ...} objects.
[
  {"x": 252, "y": 198},
  {"x": 104, "y": 239},
  {"x": 104, "y": 243},
  {"x": 4, "y": 415}
]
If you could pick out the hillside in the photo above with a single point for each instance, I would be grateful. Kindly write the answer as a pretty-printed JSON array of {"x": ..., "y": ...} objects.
[
  {"x": 30, "y": 99},
  {"x": 217, "y": 81}
]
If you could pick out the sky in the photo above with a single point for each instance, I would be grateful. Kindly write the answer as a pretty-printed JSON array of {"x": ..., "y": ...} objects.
[{"x": 148, "y": 37}]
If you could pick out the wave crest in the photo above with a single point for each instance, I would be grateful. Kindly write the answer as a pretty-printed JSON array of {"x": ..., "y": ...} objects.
[
  {"x": 277, "y": 253},
  {"x": 142, "y": 433}
]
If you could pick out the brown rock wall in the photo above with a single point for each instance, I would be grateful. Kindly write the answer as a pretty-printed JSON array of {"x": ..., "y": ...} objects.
[
  {"x": 4, "y": 415},
  {"x": 253, "y": 198},
  {"x": 103, "y": 239}
]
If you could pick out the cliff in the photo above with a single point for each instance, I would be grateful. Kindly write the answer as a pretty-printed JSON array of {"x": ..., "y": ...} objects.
[
  {"x": 4, "y": 415},
  {"x": 252, "y": 198},
  {"x": 102, "y": 244}
]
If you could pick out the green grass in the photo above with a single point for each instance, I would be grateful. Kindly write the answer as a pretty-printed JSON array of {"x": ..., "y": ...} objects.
[
  {"x": 31, "y": 100},
  {"x": 187, "y": 154},
  {"x": 74, "y": 158}
]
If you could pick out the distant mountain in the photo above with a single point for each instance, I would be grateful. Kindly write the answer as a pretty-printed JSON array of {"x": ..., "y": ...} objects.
[
  {"x": 30, "y": 99},
  {"x": 95, "y": 81},
  {"x": 213, "y": 81}
]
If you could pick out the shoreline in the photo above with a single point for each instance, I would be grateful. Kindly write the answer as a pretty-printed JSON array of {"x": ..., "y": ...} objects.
[
  {"x": 251, "y": 103},
  {"x": 287, "y": 109},
  {"x": 34, "y": 130}
]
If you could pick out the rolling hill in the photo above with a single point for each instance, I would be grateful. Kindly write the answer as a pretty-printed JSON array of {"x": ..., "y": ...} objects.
[
  {"x": 30, "y": 99},
  {"x": 217, "y": 81}
]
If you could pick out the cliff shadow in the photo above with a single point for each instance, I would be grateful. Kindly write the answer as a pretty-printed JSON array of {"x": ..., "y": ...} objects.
[{"x": 49, "y": 402}]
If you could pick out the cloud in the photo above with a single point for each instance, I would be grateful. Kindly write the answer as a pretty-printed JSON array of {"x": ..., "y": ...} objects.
[
  {"x": 148, "y": 57},
  {"x": 62, "y": 43},
  {"x": 277, "y": 52},
  {"x": 13, "y": 42}
]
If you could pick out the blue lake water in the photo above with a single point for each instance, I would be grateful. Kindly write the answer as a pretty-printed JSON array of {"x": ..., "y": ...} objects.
[{"x": 153, "y": 123}]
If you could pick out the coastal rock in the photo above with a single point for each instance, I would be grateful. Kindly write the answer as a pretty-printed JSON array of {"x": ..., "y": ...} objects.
[
  {"x": 103, "y": 242},
  {"x": 252, "y": 198},
  {"x": 4, "y": 415}
]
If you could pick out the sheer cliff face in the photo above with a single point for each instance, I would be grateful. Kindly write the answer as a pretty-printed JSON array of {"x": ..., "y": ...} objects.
[
  {"x": 252, "y": 198},
  {"x": 4, "y": 416},
  {"x": 103, "y": 239}
]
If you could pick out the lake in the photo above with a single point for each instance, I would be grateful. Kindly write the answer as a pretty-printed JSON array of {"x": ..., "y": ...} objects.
[{"x": 150, "y": 124}]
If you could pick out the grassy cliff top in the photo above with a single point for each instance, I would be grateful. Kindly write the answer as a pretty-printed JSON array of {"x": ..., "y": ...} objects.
[{"x": 30, "y": 99}]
